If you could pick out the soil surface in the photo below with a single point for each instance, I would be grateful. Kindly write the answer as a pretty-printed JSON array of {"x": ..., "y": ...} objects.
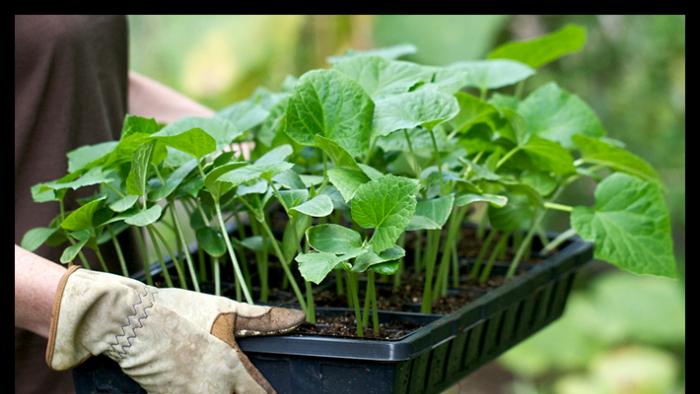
[{"x": 345, "y": 326}]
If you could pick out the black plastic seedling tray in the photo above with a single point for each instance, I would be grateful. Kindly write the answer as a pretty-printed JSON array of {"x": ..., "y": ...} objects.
[{"x": 428, "y": 360}]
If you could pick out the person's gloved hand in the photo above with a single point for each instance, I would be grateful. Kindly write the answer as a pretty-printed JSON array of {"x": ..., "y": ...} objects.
[{"x": 167, "y": 340}]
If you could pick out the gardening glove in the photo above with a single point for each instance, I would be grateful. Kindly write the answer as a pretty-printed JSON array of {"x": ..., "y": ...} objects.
[{"x": 167, "y": 340}]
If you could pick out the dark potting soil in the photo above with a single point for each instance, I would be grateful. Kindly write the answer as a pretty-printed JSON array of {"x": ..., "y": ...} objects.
[{"x": 345, "y": 326}]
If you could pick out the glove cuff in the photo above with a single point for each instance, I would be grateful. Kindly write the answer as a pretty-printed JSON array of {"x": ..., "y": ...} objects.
[{"x": 55, "y": 312}]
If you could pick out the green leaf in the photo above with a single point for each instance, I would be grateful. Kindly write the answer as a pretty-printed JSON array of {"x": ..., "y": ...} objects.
[
  {"x": 314, "y": 267},
  {"x": 347, "y": 181},
  {"x": 294, "y": 197},
  {"x": 293, "y": 233},
  {"x": 36, "y": 237},
  {"x": 84, "y": 156},
  {"x": 253, "y": 111},
  {"x": 450, "y": 81},
  {"x": 549, "y": 156},
  {"x": 276, "y": 155},
  {"x": 211, "y": 181},
  {"x": 426, "y": 106},
  {"x": 420, "y": 140},
  {"x": 470, "y": 198},
  {"x": 370, "y": 260},
  {"x": 629, "y": 225},
  {"x": 554, "y": 114},
  {"x": 333, "y": 238},
  {"x": 222, "y": 130},
  {"x": 195, "y": 141},
  {"x": 473, "y": 111},
  {"x": 41, "y": 192},
  {"x": 540, "y": 181},
  {"x": 519, "y": 212},
  {"x": 431, "y": 214},
  {"x": 259, "y": 187},
  {"x": 370, "y": 171},
  {"x": 386, "y": 205},
  {"x": 254, "y": 243},
  {"x": 380, "y": 77},
  {"x": 81, "y": 218},
  {"x": 538, "y": 51},
  {"x": 387, "y": 268},
  {"x": 93, "y": 177},
  {"x": 145, "y": 217},
  {"x": 289, "y": 179},
  {"x": 318, "y": 207},
  {"x": 136, "y": 181},
  {"x": 492, "y": 74},
  {"x": 391, "y": 52},
  {"x": 70, "y": 253},
  {"x": 327, "y": 103},
  {"x": 211, "y": 241},
  {"x": 598, "y": 152},
  {"x": 134, "y": 124},
  {"x": 173, "y": 181},
  {"x": 339, "y": 156},
  {"x": 124, "y": 203},
  {"x": 502, "y": 101}
]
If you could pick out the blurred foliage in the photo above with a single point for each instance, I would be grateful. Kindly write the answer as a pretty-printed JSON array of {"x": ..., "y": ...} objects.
[{"x": 621, "y": 335}]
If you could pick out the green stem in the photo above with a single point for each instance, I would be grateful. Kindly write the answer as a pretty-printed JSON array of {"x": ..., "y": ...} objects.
[
  {"x": 438, "y": 160},
  {"x": 429, "y": 263},
  {"x": 519, "y": 89},
  {"x": 310, "y": 302},
  {"x": 285, "y": 267},
  {"x": 558, "y": 207},
  {"x": 242, "y": 255},
  {"x": 352, "y": 290},
  {"x": 365, "y": 309},
  {"x": 339, "y": 288},
  {"x": 166, "y": 274},
  {"x": 453, "y": 227},
  {"x": 232, "y": 255},
  {"x": 500, "y": 246},
  {"x": 414, "y": 158},
  {"x": 83, "y": 259},
  {"x": 186, "y": 251},
  {"x": 474, "y": 273},
  {"x": 120, "y": 255},
  {"x": 507, "y": 156},
  {"x": 560, "y": 239},
  {"x": 373, "y": 298},
  {"x": 101, "y": 259},
  {"x": 417, "y": 252},
  {"x": 217, "y": 275},
  {"x": 455, "y": 267},
  {"x": 481, "y": 227},
  {"x": 142, "y": 250},
  {"x": 173, "y": 256}
]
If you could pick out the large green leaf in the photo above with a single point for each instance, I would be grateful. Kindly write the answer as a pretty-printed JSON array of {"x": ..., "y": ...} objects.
[
  {"x": 211, "y": 241},
  {"x": 81, "y": 218},
  {"x": 85, "y": 156},
  {"x": 94, "y": 176},
  {"x": 220, "y": 128},
  {"x": 70, "y": 253},
  {"x": 333, "y": 238},
  {"x": 472, "y": 111},
  {"x": 431, "y": 214},
  {"x": 347, "y": 181},
  {"x": 339, "y": 156},
  {"x": 134, "y": 124},
  {"x": 596, "y": 151},
  {"x": 318, "y": 207},
  {"x": 426, "y": 106},
  {"x": 392, "y": 52},
  {"x": 212, "y": 184},
  {"x": 492, "y": 74},
  {"x": 549, "y": 156},
  {"x": 555, "y": 114},
  {"x": 136, "y": 181},
  {"x": 314, "y": 267},
  {"x": 629, "y": 225},
  {"x": 380, "y": 77},
  {"x": 124, "y": 203},
  {"x": 328, "y": 103},
  {"x": 519, "y": 212},
  {"x": 385, "y": 205},
  {"x": 370, "y": 260},
  {"x": 35, "y": 237},
  {"x": 195, "y": 141},
  {"x": 173, "y": 181},
  {"x": 266, "y": 167},
  {"x": 145, "y": 217},
  {"x": 538, "y": 51}
]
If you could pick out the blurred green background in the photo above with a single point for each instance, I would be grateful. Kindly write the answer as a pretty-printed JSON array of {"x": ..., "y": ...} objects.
[{"x": 620, "y": 333}]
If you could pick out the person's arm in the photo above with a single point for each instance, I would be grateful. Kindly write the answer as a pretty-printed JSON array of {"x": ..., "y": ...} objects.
[
  {"x": 155, "y": 100},
  {"x": 36, "y": 281}
]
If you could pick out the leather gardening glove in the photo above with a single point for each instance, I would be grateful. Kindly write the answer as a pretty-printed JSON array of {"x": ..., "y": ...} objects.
[{"x": 167, "y": 340}]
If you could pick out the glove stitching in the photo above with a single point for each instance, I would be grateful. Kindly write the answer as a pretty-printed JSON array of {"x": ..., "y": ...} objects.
[{"x": 120, "y": 354}]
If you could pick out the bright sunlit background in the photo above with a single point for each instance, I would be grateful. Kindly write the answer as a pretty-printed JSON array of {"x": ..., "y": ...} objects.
[{"x": 620, "y": 333}]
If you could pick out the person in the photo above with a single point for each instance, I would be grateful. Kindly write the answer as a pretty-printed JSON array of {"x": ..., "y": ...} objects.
[{"x": 73, "y": 88}]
